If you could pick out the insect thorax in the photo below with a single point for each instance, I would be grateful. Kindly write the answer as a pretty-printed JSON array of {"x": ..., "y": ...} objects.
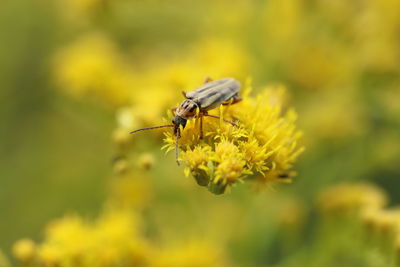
[{"x": 187, "y": 109}]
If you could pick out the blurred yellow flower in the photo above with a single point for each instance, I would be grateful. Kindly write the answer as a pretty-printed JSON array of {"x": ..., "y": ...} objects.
[
  {"x": 92, "y": 66},
  {"x": 375, "y": 31},
  {"x": 330, "y": 65},
  {"x": 194, "y": 253},
  {"x": 354, "y": 197},
  {"x": 24, "y": 250},
  {"x": 382, "y": 221},
  {"x": 326, "y": 116},
  {"x": 282, "y": 20},
  {"x": 113, "y": 239},
  {"x": 3, "y": 260},
  {"x": 146, "y": 161},
  {"x": 49, "y": 255}
]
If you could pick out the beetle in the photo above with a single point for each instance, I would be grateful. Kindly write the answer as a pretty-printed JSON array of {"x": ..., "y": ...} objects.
[{"x": 198, "y": 102}]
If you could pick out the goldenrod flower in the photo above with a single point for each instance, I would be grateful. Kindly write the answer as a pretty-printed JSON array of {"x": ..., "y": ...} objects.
[
  {"x": 263, "y": 147},
  {"x": 113, "y": 239},
  {"x": 24, "y": 250},
  {"x": 92, "y": 65},
  {"x": 146, "y": 161},
  {"x": 50, "y": 255},
  {"x": 354, "y": 197},
  {"x": 195, "y": 253},
  {"x": 3, "y": 260},
  {"x": 382, "y": 221},
  {"x": 196, "y": 161}
]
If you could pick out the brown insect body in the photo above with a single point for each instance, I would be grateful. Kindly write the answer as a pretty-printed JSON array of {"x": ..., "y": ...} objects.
[
  {"x": 209, "y": 96},
  {"x": 205, "y": 98}
]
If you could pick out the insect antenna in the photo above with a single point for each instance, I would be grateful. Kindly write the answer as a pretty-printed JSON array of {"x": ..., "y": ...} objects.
[
  {"x": 151, "y": 128},
  {"x": 177, "y": 146}
]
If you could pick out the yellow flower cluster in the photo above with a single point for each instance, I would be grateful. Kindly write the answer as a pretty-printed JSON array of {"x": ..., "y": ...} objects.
[
  {"x": 382, "y": 226},
  {"x": 366, "y": 204},
  {"x": 3, "y": 260},
  {"x": 114, "y": 239},
  {"x": 93, "y": 66},
  {"x": 194, "y": 253},
  {"x": 111, "y": 240},
  {"x": 262, "y": 148},
  {"x": 353, "y": 198}
]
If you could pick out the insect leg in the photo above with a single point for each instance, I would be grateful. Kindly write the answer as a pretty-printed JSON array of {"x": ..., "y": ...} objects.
[
  {"x": 232, "y": 101},
  {"x": 177, "y": 150},
  {"x": 218, "y": 117},
  {"x": 207, "y": 80},
  {"x": 177, "y": 136},
  {"x": 201, "y": 126},
  {"x": 184, "y": 94}
]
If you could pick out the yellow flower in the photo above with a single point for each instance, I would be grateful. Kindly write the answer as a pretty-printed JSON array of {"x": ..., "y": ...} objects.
[
  {"x": 382, "y": 226},
  {"x": 113, "y": 239},
  {"x": 197, "y": 164},
  {"x": 265, "y": 144},
  {"x": 3, "y": 260},
  {"x": 68, "y": 239},
  {"x": 117, "y": 235},
  {"x": 24, "y": 250},
  {"x": 92, "y": 66},
  {"x": 230, "y": 166},
  {"x": 289, "y": 14},
  {"x": 50, "y": 255},
  {"x": 146, "y": 161},
  {"x": 194, "y": 253},
  {"x": 349, "y": 197},
  {"x": 326, "y": 118},
  {"x": 382, "y": 221}
]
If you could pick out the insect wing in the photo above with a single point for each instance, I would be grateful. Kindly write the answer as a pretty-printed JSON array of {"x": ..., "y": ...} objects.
[
  {"x": 206, "y": 87},
  {"x": 214, "y": 93}
]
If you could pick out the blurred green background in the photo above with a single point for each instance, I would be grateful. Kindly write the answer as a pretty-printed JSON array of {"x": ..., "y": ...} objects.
[{"x": 340, "y": 61}]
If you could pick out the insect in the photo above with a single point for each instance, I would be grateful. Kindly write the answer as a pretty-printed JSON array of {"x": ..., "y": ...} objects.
[{"x": 197, "y": 102}]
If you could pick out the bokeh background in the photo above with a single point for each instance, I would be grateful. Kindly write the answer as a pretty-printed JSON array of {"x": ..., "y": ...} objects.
[{"x": 77, "y": 75}]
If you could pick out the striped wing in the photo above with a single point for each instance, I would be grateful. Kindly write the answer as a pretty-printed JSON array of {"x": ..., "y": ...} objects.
[{"x": 213, "y": 94}]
